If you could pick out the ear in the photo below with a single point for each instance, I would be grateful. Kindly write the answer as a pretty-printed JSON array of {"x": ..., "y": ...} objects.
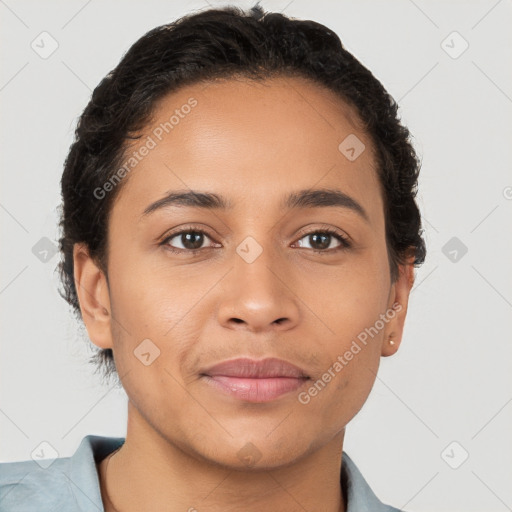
[
  {"x": 398, "y": 302},
  {"x": 93, "y": 296}
]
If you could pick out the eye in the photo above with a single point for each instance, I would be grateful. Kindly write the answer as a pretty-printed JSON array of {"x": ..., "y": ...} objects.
[
  {"x": 322, "y": 240},
  {"x": 191, "y": 241}
]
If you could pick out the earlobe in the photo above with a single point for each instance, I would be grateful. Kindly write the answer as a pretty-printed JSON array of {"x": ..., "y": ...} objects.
[
  {"x": 399, "y": 299},
  {"x": 93, "y": 296},
  {"x": 389, "y": 347}
]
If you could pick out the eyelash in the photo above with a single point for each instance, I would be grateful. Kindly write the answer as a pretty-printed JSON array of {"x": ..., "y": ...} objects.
[{"x": 344, "y": 241}]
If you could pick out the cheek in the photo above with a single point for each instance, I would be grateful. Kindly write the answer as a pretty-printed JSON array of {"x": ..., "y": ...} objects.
[
  {"x": 352, "y": 301},
  {"x": 350, "y": 379},
  {"x": 149, "y": 302},
  {"x": 147, "y": 297},
  {"x": 357, "y": 299}
]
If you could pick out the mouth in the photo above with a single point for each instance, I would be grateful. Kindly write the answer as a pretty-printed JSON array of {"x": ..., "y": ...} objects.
[{"x": 255, "y": 380}]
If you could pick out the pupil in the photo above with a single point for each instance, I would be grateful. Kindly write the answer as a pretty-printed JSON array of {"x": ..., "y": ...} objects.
[
  {"x": 325, "y": 243},
  {"x": 187, "y": 237}
]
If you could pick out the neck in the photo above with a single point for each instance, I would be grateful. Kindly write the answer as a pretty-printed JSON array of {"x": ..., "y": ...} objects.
[{"x": 152, "y": 473}]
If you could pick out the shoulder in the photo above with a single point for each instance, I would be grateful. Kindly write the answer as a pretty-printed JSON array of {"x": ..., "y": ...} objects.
[
  {"x": 359, "y": 495},
  {"x": 27, "y": 486},
  {"x": 67, "y": 483}
]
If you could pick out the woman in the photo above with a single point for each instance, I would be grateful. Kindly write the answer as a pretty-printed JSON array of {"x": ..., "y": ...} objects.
[{"x": 239, "y": 236}]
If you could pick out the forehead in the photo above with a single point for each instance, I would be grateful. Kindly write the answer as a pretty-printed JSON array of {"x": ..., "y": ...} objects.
[{"x": 252, "y": 142}]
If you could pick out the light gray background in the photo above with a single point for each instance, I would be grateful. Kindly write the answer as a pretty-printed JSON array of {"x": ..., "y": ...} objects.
[{"x": 451, "y": 379}]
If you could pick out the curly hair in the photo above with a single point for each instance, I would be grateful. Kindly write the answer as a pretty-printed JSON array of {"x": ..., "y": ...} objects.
[{"x": 221, "y": 43}]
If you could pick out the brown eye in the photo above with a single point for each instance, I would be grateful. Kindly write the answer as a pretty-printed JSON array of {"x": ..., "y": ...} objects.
[
  {"x": 186, "y": 241},
  {"x": 191, "y": 239},
  {"x": 321, "y": 241}
]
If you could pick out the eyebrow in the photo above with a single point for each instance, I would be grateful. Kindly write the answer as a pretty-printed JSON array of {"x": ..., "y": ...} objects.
[{"x": 316, "y": 198}]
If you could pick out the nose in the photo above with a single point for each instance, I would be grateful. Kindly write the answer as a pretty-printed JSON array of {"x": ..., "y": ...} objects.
[{"x": 258, "y": 295}]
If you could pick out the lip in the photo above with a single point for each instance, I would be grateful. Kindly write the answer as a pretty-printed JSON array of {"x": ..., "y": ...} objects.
[
  {"x": 255, "y": 380},
  {"x": 248, "y": 368}
]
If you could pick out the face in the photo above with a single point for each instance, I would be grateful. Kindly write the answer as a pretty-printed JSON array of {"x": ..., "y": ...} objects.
[{"x": 193, "y": 283}]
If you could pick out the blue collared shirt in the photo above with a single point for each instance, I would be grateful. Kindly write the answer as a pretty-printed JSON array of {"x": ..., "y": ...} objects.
[{"x": 71, "y": 484}]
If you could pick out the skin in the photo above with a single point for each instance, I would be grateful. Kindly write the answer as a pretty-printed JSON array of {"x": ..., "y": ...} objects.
[{"x": 252, "y": 143}]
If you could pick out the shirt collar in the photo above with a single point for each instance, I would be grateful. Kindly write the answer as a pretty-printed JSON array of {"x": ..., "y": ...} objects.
[
  {"x": 359, "y": 495},
  {"x": 83, "y": 472}
]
